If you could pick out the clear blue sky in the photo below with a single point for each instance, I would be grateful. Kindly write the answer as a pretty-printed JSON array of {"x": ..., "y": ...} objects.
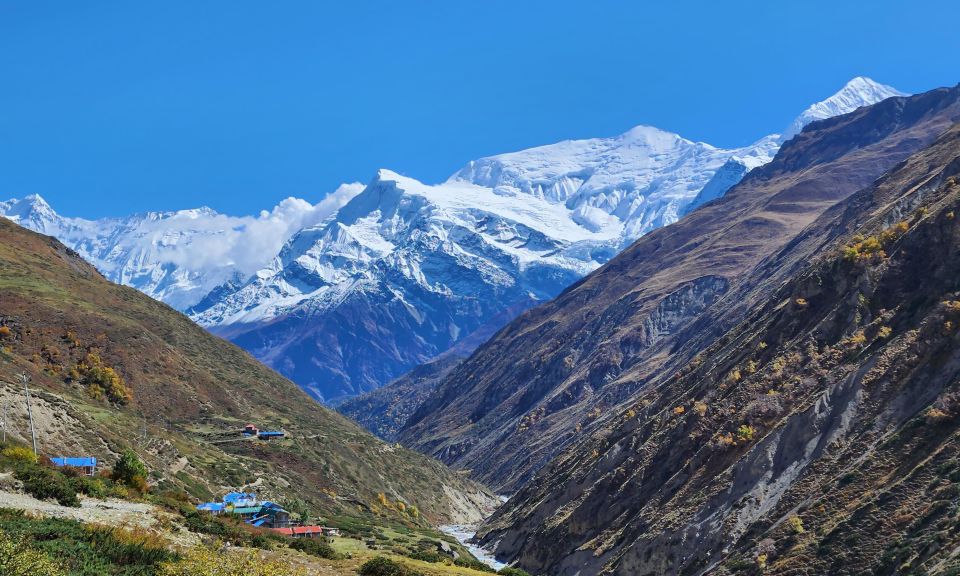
[{"x": 108, "y": 108}]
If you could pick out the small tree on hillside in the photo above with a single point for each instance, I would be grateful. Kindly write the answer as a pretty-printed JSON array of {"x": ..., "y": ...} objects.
[{"x": 130, "y": 470}]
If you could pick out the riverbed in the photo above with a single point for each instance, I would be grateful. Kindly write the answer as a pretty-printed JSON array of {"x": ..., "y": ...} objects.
[{"x": 464, "y": 533}]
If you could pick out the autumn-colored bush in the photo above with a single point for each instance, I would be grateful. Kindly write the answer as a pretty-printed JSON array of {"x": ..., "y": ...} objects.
[
  {"x": 871, "y": 248},
  {"x": 20, "y": 454},
  {"x": 18, "y": 559},
  {"x": 208, "y": 562},
  {"x": 102, "y": 381}
]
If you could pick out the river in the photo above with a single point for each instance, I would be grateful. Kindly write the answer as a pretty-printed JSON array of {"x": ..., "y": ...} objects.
[{"x": 463, "y": 533}]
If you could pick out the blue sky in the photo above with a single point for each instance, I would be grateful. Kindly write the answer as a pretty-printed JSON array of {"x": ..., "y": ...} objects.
[{"x": 108, "y": 108}]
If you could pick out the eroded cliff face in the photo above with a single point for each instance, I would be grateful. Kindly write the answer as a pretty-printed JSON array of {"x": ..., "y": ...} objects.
[
  {"x": 549, "y": 375},
  {"x": 818, "y": 435}
]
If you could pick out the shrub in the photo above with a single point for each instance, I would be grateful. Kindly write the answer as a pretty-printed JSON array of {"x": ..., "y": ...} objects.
[
  {"x": 473, "y": 564},
  {"x": 426, "y": 556},
  {"x": 85, "y": 550},
  {"x": 43, "y": 483},
  {"x": 19, "y": 560},
  {"x": 5, "y": 332},
  {"x": 761, "y": 562},
  {"x": 745, "y": 432},
  {"x": 796, "y": 524},
  {"x": 206, "y": 562},
  {"x": 20, "y": 454},
  {"x": 136, "y": 547},
  {"x": 508, "y": 571},
  {"x": 93, "y": 487},
  {"x": 380, "y": 566},
  {"x": 130, "y": 470},
  {"x": 101, "y": 381},
  {"x": 315, "y": 547}
]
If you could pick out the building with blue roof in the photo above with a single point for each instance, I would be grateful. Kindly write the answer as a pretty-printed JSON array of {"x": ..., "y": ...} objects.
[{"x": 86, "y": 464}]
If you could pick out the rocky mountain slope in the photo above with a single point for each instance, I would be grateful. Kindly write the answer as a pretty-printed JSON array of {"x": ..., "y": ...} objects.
[
  {"x": 404, "y": 271},
  {"x": 820, "y": 433},
  {"x": 509, "y": 408},
  {"x": 113, "y": 368}
]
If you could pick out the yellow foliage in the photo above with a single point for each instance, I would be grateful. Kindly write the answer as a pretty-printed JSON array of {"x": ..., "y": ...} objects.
[
  {"x": 858, "y": 338},
  {"x": 884, "y": 332},
  {"x": 384, "y": 501},
  {"x": 726, "y": 440},
  {"x": 952, "y": 306},
  {"x": 762, "y": 346},
  {"x": 801, "y": 301},
  {"x": 101, "y": 381},
  {"x": 762, "y": 561},
  {"x": 871, "y": 247},
  {"x": 751, "y": 367},
  {"x": 934, "y": 415},
  {"x": 796, "y": 524},
  {"x": 745, "y": 433},
  {"x": 20, "y": 454},
  {"x": 16, "y": 559},
  {"x": 679, "y": 410},
  {"x": 700, "y": 408},
  {"x": 206, "y": 562},
  {"x": 5, "y": 332},
  {"x": 631, "y": 413}
]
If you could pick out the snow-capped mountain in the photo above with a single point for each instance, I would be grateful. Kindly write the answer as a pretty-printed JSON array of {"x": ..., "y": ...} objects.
[
  {"x": 178, "y": 257},
  {"x": 352, "y": 292},
  {"x": 858, "y": 92},
  {"x": 405, "y": 270}
]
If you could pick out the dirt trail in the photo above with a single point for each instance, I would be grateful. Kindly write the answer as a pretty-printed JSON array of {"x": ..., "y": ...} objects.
[{"x": 109, "y": 512}]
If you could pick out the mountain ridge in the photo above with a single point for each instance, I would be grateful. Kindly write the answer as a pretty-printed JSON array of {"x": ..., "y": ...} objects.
[
  {"x": 508, "y": 409},
  {"x": 815, "y": 431},
  {"x": 434, "y": 262}
]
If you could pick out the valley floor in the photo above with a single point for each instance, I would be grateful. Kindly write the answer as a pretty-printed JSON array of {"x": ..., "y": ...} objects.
[{"x": 144, "y": 516}]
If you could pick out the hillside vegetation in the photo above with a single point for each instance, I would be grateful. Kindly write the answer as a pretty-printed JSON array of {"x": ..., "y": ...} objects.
[{"x": 111, "y": 368}]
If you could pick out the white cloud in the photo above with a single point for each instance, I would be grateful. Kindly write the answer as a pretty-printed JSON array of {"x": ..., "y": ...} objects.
[{"x": 201, "y": 240}]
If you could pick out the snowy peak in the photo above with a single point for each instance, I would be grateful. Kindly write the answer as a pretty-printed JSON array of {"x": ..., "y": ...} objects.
[
  {"x": 417, "y": 267},
  {"x": 179, "y": 256},
  {"x": 861, "y": 91},
  {"x": 32, "y": 212}
]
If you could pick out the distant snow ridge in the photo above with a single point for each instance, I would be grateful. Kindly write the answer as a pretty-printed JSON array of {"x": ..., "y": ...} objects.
[
  {"x": 343, "y": 296},
  {"x": 858, "y": 92},
  {"x": 178, "y": 257}
]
